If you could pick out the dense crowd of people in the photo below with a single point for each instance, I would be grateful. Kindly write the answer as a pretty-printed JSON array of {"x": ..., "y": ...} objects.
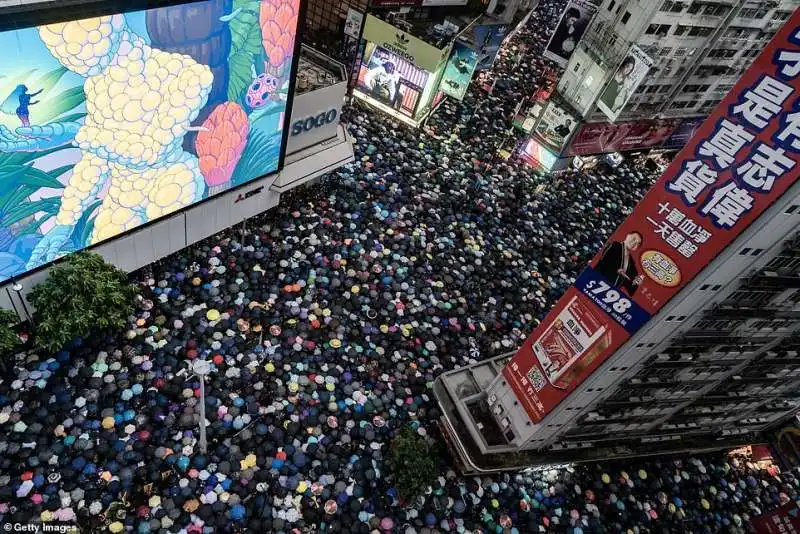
[{"x": 327, "y": 321}]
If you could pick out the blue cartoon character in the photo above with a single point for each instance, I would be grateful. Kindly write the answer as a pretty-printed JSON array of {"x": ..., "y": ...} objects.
[{"x": 18, "y": 103}]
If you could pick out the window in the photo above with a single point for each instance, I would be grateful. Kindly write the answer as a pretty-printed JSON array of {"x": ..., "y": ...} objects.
[
  {"x": 781, "y": 15},
  {"x": 716, "y": 10},
  {"x": 664, "y": 89},
  {"x": 672, "y": 7},
  {"x": 753, "y": 13},
  {"x": 681, "y": 29},
  {"x": 700, "y": 31},
  {"x": 626, "y": 17},
  {"x": 723, "y": 53},
  {"x": 611, "y": 5},
  {"x": 658, "y": 29}
]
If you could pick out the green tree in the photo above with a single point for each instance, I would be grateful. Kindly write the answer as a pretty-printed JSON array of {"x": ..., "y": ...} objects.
[
  {"x": 9, "y": 340},
  {"x": 81, "y": 294},
  {"x": 413, "y": 463}
]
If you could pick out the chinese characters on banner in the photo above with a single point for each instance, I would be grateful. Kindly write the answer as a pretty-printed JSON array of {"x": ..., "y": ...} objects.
[
  {"x": 784, "y": 520},
  {"x": 745, "y": 156}
]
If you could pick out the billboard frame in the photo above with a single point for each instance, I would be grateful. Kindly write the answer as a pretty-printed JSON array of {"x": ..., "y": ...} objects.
[
  {"x": 56, "y": 14},
  {"x": 649, "y": 260}
]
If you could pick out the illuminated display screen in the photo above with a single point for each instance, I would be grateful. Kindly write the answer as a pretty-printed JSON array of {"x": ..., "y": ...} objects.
[
  {"x": 533, "y": 153},
  {"x": 112, "y": 122},
  {"x": 392, "y": 80}
]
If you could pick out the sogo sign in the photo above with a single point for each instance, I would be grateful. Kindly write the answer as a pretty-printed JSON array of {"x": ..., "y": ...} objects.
[
  {"x": 310, "y": 123},
  {"x": 315, "y": 117}
]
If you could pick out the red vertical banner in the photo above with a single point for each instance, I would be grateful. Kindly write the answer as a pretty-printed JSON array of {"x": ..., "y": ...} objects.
[{"x": 743, "y": 158}]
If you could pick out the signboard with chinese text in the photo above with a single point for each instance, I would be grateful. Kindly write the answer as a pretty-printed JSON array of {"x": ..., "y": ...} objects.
[
  {"x": 783, "y": 520},
  {"x": 743, "y": 158},
  {"x": 555, "y": 126},
  {"x": 683, "y": 133},
  {"x": 600, "y": 138}
]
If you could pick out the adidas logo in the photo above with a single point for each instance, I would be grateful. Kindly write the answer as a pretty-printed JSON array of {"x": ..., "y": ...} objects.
[{"x": 401, "y": 38}]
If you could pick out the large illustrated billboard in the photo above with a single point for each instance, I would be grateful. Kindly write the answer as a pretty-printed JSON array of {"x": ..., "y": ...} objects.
[
  {"x": 742, "y": 159},
  {"x": 620, "y": 88},
  {"x": 569, "y": 31},
  {"x": 111, "y": 122}
]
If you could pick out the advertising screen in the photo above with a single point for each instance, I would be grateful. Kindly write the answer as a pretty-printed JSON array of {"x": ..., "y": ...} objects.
[
  {"x": 534, "y": 154},
  {"x": 569, "y": 31},
  {"x": 555, "y": 127},
  {"x": 630, "y": 73},
  {"x": 112, "y": 122},
  {"x": 682, "y": 134},
  {"x": 599, "y": 138},
  {"x": 459, "y": 70},
  {"x": 488, "y": 39},
  {"x": 742, "y": 159},
  {"x": 391, "y": 80}
]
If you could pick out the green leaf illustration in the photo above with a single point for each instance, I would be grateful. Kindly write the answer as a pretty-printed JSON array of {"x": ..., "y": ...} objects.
[
  {"x": 245, "y": 46},
  {"x": 64, "y": 102}
]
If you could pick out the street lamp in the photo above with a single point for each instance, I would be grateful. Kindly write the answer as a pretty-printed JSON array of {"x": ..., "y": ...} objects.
[{"x": 201, "y": 368}]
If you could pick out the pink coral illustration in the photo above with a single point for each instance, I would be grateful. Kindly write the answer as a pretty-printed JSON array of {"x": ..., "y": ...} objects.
[
  {"x": 278, "y": 20},
  {"x": 220, "y": 144}
]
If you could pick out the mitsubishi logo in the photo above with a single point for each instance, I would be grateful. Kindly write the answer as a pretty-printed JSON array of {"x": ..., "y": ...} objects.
[
  {"x": 243, "y": 196},
  {"x": 401, "y": 38}
]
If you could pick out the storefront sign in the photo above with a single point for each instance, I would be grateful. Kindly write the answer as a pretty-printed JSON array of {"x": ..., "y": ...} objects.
[
  {"x": 403, "y": 44},
  {"x": 784, "y": 520},
  {"x": 315, "y": 116},
  {"x": 534, "y": 154},
  {"x": 742, "y": 159},
  {"x": 601, "y": 138},
  {"x": 682, "y": 134},
  {"x": 311, "y": 123}
]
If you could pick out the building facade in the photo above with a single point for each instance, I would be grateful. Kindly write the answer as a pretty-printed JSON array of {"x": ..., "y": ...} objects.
[
  {"x": 717, "y": 367},
  {"x": 699, "y": 48}
]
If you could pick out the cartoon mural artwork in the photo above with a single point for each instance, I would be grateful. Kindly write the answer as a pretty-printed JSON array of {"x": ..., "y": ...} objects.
[{"x": 112, "y": 122}]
